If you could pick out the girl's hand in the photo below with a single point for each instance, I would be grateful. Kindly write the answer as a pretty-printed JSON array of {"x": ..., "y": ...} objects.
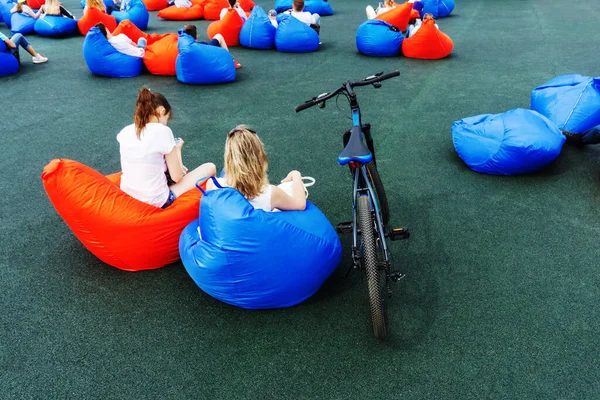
[
  {"x": 291, "y": 176},
  {"x": 179, "y": 142}
]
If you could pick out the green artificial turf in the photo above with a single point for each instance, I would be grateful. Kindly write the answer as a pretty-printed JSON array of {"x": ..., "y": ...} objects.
[{"x": 502, "y": 288}]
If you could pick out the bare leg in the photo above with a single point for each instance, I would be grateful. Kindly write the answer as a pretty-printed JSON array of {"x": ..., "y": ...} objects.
[
  {"x": 188, "y": 182},
  {"x": 221, "y": 40}
]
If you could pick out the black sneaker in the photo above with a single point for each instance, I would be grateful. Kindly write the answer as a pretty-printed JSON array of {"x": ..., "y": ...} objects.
[{"x": 573, "y": 138}]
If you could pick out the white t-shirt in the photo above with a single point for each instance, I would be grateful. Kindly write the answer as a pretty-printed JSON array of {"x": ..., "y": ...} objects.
[
  {"x": 260, "y": 202},
  {"x": 183, "y": 3},
  {"x": 304, "y": 16},
  {"x": 124, "y": 45},
  {"x": 412, "y": 29},
  {"x": 384, "y": 9},
  {"x": 26, "y": 10},
  {"x": 237, "y": 8},
  {"x": 143, "y": 162}
]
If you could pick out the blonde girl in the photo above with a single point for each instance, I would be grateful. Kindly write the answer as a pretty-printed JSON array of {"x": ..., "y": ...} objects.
[
  {"x": 97, "y": 4},
  {"x": 246, "y": 168},
  {"x": 53, "y": 7}
]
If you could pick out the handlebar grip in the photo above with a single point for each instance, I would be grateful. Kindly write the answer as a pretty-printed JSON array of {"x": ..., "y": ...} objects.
[
  {"x": 389, "y": 75},
  {"x": 306, "y": 105}
]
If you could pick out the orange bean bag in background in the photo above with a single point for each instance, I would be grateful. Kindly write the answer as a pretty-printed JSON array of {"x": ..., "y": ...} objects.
[
  {"x": 36, "y": 4},
  {"x": 196, "y": 11},
  {"x": 212, "y": 9},
  {"x": 129, "y": 29},
  {"x": 414, "y": 14},
  {"x": 161, "y": 55},
  {"x": 92, "y": 17},
  {"x": 399, "y": 16},
  {"x": 230, "y": 27},
  {"x": 118, "y": 229},
  {"x": 156, "y": 5},
  {"x": 247, "y": 5},
  {"x": 428, "y": 43}
]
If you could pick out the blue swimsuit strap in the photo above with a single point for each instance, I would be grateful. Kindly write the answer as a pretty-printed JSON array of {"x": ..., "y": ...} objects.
[{"x": 204, "y": 179}]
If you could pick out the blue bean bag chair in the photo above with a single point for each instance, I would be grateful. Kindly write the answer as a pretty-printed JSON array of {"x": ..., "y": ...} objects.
[
  {"x": 107, "y": 3},
  {"x": 5, "y": 11},
  {"x": 255, "y": 259},
  {"x": 55, "y": 26},
  {"x": 258, "y": 32},
  {"x": 312, "y": 6},
  {"x": 293, "y": 36},
  {"x": 104, "y": 60},
  {"x": 516, "y": 142},
  {"x": 437, "y": 8},
  {"x": 136, "y": 13},
  {"x": 572, "y": 102},
  {"x": 202, "y": 64},
  {"x": 8, "y": 63},
  {"x": 378, "y": 39},
  {"x": 20, "y": 23}
]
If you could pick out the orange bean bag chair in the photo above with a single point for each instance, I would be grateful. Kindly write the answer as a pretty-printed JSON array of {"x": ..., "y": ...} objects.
[
  {"x": 428, "y": 43},
  {"x": 36, "y": 4},
  {"x": 247, "y": 5},
  {"x": 230, "y": 27},
  {"x": 399, "y": 16},
  {"x": 161, "y": 55},
  {"x": 92, "y": 17},
  {"x": 414, "y": 14},
  {"x": 212, "y": 9},
  {"x": 156, "y": 5},
  {"x": 118, "y": 229},
  {"x": 196, "y": 11},
  {"x": 134, "y": 33}
]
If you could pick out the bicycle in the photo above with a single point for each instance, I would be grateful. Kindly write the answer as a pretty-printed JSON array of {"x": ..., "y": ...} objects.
[{"x": 369, "y": 203}]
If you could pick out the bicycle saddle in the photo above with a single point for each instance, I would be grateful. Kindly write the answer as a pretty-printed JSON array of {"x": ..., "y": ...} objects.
[{"x": 355, "y": 150}]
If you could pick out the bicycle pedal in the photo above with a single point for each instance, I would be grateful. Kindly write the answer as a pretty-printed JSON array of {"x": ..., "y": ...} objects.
[
  {"x": 398, "y": 234},
  {"x": 344, "y": 227}
]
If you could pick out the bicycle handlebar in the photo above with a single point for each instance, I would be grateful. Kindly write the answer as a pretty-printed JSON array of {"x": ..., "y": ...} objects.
[{"x": 369, "y": 80}]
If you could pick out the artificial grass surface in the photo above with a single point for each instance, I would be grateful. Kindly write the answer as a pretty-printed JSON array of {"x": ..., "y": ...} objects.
[{"x": 501, "y": 294}]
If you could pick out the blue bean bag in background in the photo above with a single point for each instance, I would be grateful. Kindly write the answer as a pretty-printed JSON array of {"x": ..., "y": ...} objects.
[
  {"x": 437, "y": 8},
  {"x": 107, "y": 3},
  {"x": 293, "y": 36},
  {"x": 516, "y": 142},
  {"x": 54, "y": 26},
  {"x": 312, "y": 6},
  {"x": 136, "y": 13},
  {"x": 572, "y": 102},
  {"x": 255, "y": 259},
  {"x": 23, "y": 24},
  {"x": 104, "y": 60},
  {"x": 378, "y": 39},
  {"x": 8, "y": 63},
  {"x": 201, "y": 64},
  {"x": 5, "y": 8},
  {"x": 258, "y": 32}
]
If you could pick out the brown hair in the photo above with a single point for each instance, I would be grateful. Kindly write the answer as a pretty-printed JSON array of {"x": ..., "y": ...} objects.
[
  {"x": 232, "y": 3},
  {"x": 145, "y": 108},
  {"x": 428, "y": 16},
  {"x": 298, "y": 5},
  {"x": 97, "y": 4},
  {"x": 19, "y": 7},
  {"x": 245, "y": 162},
  {"x": 51, "y": 7},
  {"x": 191, "y": 30},
  {"x": 101, "y": 28}
]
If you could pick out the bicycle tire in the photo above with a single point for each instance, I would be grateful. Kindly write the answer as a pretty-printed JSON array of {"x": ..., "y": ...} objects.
[
  {"x": 376, "y": 300},
  {"x": 384, "y": 206}
]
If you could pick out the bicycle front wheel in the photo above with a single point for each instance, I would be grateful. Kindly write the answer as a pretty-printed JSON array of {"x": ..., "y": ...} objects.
[
  {"x": 384, "y": 207},
  {"x": 375, "y": 285}
]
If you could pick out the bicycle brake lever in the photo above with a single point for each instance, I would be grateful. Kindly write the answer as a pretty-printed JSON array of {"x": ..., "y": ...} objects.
[
  {"x": 377, "y": 85},
  {"x": 322, "y": 105}
]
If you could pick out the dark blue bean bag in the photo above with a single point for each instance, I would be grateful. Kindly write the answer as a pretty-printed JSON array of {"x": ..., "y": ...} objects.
[
  {"x": 5, "y": 8},
  {"x": 104, "y": 60},
  {"x": 293, "y": 36},
  {"x": 107, "y": 3},
  {"x": 378, "y": 39},
  {"x": 438, "y": 8},
  {"x": 8, "y": 63},
  {"x": 572, "y": 102},
  {"x": 255, "y": 259},
  {"x": 136, "y": 13},
  {"x": 258, "y": 32},
  {"x": 202, "y": 64},
  {"x": 21, "y": 23},
  {"x": 312, "y": 6},
  {"x": 516, "y": 142},
  {"x": 54, "y": 26}
]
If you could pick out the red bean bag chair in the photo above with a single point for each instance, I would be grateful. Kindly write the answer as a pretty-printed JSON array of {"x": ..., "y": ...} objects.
[
  {"x": 118, "y": 229},
  {"x": 414, "y": 14},
  {"x": 92, "y": 17},
  {"x": 161, "y": 55},
  {"x": 399, "y": 16},
  {"x": 428, "y": 43},
  {"x": 36, "y": 4},
  {"x": 212, "y": 9},
  {"x": 156, "y": 5},
  {"x": 230, "y": 27},
  {"x": 247, "y": 5},
  {"x": 134, "y": 33},
  {"x": 196, "y": 11}
]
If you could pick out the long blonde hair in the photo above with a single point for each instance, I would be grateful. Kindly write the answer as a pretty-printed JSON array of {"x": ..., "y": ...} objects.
[
  {"x": 52, "y": 7},
  {"x": 245, "y": 162},
  {"x": 97, "y": 4}
]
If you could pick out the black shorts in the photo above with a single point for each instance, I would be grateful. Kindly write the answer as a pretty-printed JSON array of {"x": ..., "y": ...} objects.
[{"x": 213, "y": 42}]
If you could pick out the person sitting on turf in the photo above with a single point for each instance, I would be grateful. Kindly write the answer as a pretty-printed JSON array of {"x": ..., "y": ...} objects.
[
  {"x": 54, "y": 8},
  {"x": 297, "y": 11},
  {"x": 151, "y": 156},
  {"x": 22, "y": 8},
  {"x": 12, "y": 47},
  {"x": 217, "y": 40},
  {"x": 233, "y": 4},
  {"x": 591, "y": 136},
  {"x": 413, "y": 28},
  {"x": 246, "y": 168},
  {"x": 383, "y": 7},
  {"x": 122, "y": 43}
]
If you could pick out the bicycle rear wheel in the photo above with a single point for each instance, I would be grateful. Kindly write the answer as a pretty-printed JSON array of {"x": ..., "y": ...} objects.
[
  {"x": 375, "y": 286},
  {"x": 384, "y": 206}
]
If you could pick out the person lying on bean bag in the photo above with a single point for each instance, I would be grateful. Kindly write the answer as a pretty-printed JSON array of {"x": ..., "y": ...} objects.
[
  {"x": 24, "y": 9},
  {"x": 12, "y": 46},
  {"x": 413, "y": 28},
  {"x": 217, "y": 41},
  {"x": 122, "y": 43}
]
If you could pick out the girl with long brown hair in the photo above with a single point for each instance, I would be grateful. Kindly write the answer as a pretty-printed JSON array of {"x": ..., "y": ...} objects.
[
  {"x": 149, "y": 151},
  {"x": 246, "y": 168},
  {"x": 54, "y": 8}
]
